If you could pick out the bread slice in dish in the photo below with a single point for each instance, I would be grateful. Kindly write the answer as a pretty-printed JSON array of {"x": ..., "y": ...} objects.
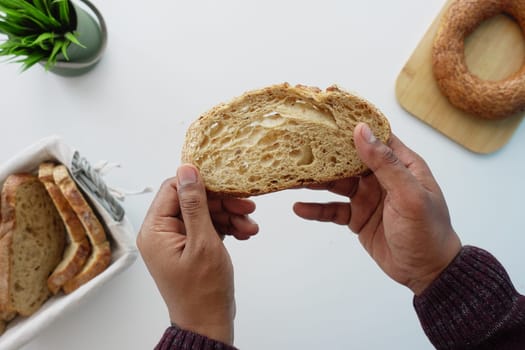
[
  {"x": 32, "y": 242},
  {"x": 100, "y": 256},
  {"x": 78, "y": 248},
  {"x": 280, "y": 137},
  {"x": 5, "y": 318}
]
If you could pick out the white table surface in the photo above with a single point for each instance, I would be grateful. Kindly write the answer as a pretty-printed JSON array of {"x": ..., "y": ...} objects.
[{"x": 299, "y": 285}]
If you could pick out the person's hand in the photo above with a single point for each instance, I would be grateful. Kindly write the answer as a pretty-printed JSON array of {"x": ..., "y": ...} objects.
[
  {"x": 186, "y": 257},
  {"x": 398, "y": 211}
]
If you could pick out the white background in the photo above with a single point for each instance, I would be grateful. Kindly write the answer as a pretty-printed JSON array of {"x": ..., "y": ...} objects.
[{"x": 299, "y": 285}]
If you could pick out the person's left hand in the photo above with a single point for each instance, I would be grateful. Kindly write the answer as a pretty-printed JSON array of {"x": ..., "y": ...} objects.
[{"x": 186, "y": 257}]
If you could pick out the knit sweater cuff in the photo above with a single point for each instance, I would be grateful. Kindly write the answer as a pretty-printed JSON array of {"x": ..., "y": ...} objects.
[
  {"x": 467, "y": 303},
  {"x": 175, "y": 338}
]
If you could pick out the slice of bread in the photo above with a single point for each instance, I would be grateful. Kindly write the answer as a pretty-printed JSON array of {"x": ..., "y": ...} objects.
[
  {"x": 31, "y": 244},
  {"x": 280, "y": 137},
  {"x": 5, "y": 318},
  {"x": 100, "y": 256},
  {"x": 97, "y": 262},
  {"x": 78, "y": 248}
]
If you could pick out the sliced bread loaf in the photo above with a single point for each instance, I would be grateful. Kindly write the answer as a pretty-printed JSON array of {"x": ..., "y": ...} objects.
[
  {"x": 31, "y": 244},
  {"x": 100, "y": 256},
  {"x": 78, "y": 247},
  {"x": 5, "y": 318},
  {"x": 280, "y": 137}
]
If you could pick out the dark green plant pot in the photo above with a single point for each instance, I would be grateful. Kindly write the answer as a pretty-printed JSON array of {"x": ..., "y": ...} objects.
[{"x": 92, "y": 33}]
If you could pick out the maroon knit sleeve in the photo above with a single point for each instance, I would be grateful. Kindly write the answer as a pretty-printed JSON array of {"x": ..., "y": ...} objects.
[
  {"x": 175, "y": 338},
  {"x": 473, "y": 305}
]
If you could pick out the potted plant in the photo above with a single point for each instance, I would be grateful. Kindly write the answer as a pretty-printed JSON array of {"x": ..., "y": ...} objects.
[{"x": 66, "y": 37}]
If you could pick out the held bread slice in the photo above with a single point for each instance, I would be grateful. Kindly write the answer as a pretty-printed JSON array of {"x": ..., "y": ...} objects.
[
  {"x": 280, "y": 137},
  {"x": 78, "y": 248},
  {"x": 101, "y": 252},
  {"x": 31, "y": 244}
]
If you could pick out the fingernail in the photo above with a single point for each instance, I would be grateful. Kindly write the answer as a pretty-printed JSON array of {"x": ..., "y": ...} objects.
[
  {"x": 367, "y": 134},
  {"x": 252, "y": 221},
  {"x": 186, "y": 175},
  {"x": 243, "y": 219}
]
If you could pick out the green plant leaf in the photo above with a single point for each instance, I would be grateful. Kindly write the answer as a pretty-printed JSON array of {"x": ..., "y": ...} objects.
[
  {"x": 34, "y": 14},
  {"x": 12, "y": 15},
  {"x": 42, "y": 38},
  {"x": 13, "y": 29},
  {"x": 30, "y": 61},
  {"x": 61, "y": 11},
  {"x": 36, "y": 30},
  {"x": 72, "y": 37},
  {"x": 27, "y": 41},
  {"x": 64, "y": 51},
  {"x": 63, "y": 7},
  {"x": 57, "y": 47},
  {"x": 42, "y": 6}
]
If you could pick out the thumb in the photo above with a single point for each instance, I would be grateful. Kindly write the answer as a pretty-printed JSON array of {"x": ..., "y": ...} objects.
[
  {"x": 389, "y": 170},
  {"x": 193, "y": 202}
]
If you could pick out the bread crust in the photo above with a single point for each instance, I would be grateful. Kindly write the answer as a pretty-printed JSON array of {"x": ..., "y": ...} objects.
[
  {"x": 78, "y": 203},
  {"x": 329, "y": 115},
  {"x": 5, "y": 318},
  {"x": 5, "y": 272},
  {"x": 78, "y": 249},
  {"x": 100, "y": 256},
  {"x": 97, "y": 262},
  {"x": 482, "y": 98}
]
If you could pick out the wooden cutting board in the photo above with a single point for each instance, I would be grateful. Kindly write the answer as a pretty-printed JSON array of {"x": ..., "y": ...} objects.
[{"x": 494, "y": 51}]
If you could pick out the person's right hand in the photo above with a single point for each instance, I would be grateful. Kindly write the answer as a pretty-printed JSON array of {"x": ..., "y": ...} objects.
[
  {"x": 398, "y": 212},
  {"x": 180, "y": 242}
]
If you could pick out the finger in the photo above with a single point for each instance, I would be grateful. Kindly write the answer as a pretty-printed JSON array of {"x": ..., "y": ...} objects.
[
  {"x": 168, "y": 225},
  {"x": 365, "y": 202},
  {"x": 414, "y": 163},
  {"x": 390, "y": 171},
  {"x": 238, "y": 206},
  {"x": 336, "y": 212},
  {"x": 193, "y": 203},
  {"x": 405, "y": 154},
  {"x": 236, "y": 225},
  {"x": 243, "y": 227},
  {"x": 345, "y": 187},
  {"x": 160, "y": 231},
  {"x": 166, "y": 202}
]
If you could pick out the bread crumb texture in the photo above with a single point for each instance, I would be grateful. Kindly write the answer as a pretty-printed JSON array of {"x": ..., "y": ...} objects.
[
  {"x": 280, "y": 137},
  {"x": 36, "y": 242}
]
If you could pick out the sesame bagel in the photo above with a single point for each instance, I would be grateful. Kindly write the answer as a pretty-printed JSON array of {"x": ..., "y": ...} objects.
[{"x": 482, "y": 98}]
